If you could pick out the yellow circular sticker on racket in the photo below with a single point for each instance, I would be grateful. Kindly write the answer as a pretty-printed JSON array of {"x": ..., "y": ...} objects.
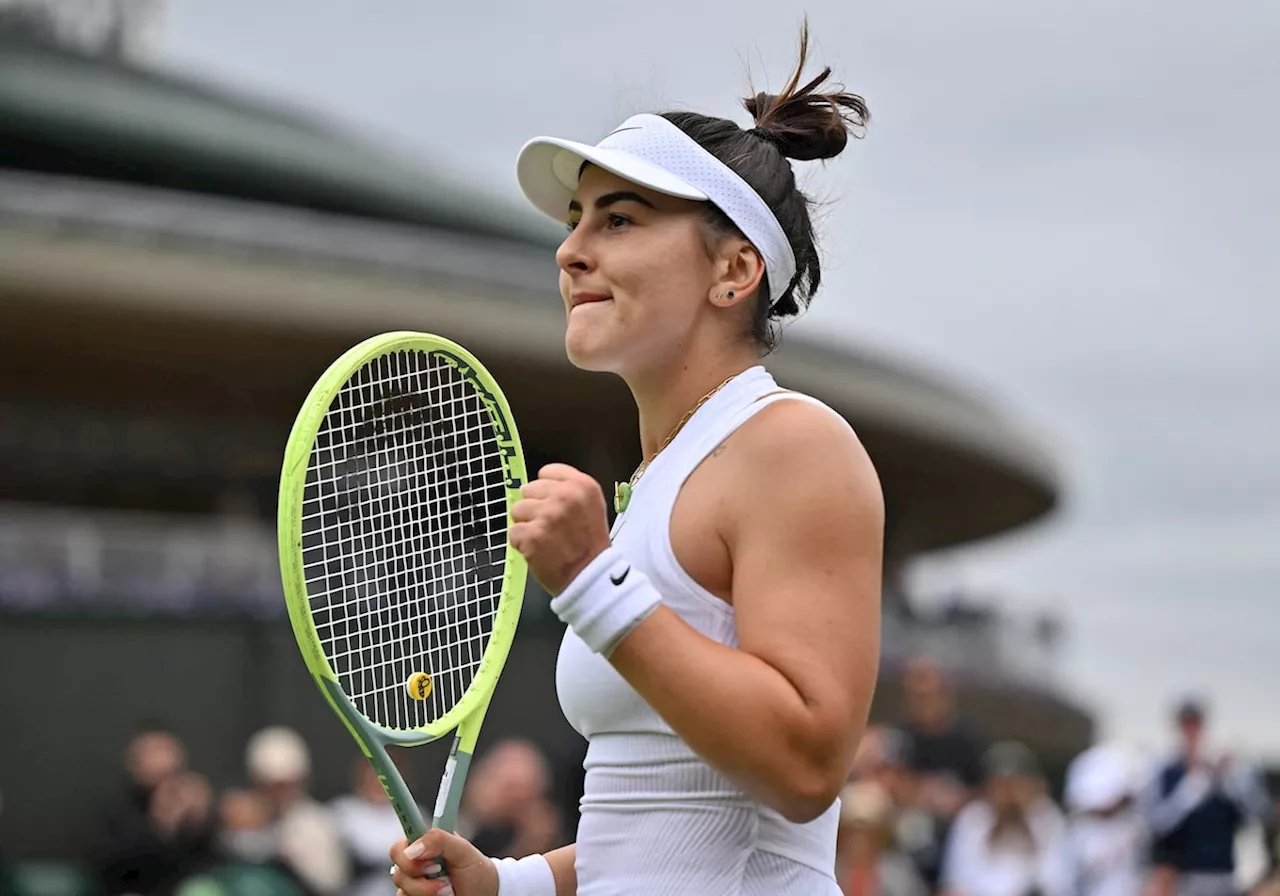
[{"x": 419, "y": 685}]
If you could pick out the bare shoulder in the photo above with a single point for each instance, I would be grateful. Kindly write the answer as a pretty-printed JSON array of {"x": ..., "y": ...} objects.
[
  {"x": 799, "y": 449},
  {"x": 797, "y": 481}
]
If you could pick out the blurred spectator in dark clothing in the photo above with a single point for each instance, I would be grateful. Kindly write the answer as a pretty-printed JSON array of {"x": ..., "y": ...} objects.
[
  {"x": 944, "y": 753},
  {"x": 1195, "y": 804},
  {"x": 160, "y": 829},
  {"x": 944, "y": 758},
  {"x": 506, "y": 808}
]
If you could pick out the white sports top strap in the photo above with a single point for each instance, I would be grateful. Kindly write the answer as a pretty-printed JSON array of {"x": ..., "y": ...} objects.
[
  {"x": 714, "y": 430},
  {"x": 745, "y": 396}
]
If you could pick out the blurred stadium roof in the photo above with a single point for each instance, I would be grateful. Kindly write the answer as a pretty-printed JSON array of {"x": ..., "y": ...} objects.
[{"x": 150, "y": 207}]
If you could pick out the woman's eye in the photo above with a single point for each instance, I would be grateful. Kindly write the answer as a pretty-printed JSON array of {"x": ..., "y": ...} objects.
[{"x": 612, "y": 221}]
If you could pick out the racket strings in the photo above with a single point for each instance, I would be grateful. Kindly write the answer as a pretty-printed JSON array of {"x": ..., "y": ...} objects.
[
  {"x": 436, "y": 567},
  {"x": 404, "y": 522}
]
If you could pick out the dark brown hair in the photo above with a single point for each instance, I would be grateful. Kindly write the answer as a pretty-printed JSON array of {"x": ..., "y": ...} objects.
[{"x": 799, "y": 123}]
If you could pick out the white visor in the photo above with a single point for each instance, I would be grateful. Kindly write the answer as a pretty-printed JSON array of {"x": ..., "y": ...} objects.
[{"x": 650, "y": 151}]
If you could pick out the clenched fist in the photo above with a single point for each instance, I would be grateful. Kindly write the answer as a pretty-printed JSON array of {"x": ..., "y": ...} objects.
[{"x": 559, "y": 525}]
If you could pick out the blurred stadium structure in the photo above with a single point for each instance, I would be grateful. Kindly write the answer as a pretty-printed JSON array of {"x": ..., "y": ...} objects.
[
  {"x": 116, "y": 29},
  {"x": 177, "y": 265}
]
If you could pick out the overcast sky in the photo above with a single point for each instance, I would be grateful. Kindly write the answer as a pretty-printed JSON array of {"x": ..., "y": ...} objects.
[{"x": 1073, "y": 208}]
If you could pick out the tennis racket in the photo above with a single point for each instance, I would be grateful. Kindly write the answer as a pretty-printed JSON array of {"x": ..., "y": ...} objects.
[{"x": 402, "y": 589}]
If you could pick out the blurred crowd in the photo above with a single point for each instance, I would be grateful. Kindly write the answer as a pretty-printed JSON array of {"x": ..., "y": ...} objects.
[
  {"x": 169, "y": 834},
  {"x": 931, "y": 808}
]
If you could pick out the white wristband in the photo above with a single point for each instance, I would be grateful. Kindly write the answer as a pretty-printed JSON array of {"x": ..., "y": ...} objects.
[
  {"x": 607, "y": 600},
  {"x": 530, "y": 876}
]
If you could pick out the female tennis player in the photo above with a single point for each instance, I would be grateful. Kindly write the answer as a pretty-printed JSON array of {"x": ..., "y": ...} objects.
[{"x": 722, "y": 641}]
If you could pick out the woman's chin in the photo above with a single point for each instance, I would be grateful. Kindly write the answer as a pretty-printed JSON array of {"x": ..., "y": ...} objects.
[
  {"x": 588, "y": 349},
  {"x": 585, "y": 359}
]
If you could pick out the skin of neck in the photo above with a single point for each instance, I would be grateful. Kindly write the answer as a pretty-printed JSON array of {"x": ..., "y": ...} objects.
[{"x": 666, "y": 392}]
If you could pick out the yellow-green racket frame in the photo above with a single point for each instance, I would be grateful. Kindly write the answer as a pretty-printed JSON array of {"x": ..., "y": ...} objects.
[{"x": 468, "y": 715}]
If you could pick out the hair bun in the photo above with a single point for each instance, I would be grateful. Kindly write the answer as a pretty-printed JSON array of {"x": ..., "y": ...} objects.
[{"x": 804, "y": 123}]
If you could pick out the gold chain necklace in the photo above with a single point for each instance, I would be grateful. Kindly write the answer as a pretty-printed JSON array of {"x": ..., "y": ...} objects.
[{"x": 622, "y": 490}]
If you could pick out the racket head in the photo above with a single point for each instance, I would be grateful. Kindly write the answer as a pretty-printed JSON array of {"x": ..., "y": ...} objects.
[{"x": 395, "y": 497}]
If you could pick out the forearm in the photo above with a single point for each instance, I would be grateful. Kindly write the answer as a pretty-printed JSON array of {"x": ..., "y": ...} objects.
[
  {"x": 561, "y": 861},
  {"x": 744, "y": 717},
  {"x": 1164, "y": 813}
]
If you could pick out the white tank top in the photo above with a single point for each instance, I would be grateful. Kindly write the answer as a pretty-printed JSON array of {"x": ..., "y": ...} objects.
[{"x": 655, "y": 817}]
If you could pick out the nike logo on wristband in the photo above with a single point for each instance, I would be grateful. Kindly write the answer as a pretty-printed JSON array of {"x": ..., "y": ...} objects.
[{"x": 618, "y": 580}]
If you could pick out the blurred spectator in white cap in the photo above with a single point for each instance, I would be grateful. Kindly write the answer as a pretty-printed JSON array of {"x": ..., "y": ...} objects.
[
  {"x": 1012, "y": 840},
  {"x": 1108, "y": 838},
  {"x": 868, "y": 861},
  {"x": 277, "y": 822},
  {"x": 277, "y": 758}
]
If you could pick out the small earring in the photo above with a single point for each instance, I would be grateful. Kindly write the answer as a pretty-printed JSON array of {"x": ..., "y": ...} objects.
[{"x": 730, "y": 293}]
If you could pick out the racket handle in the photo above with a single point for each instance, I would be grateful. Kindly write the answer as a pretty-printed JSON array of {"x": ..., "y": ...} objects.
[{"x": 448, "y": 799}]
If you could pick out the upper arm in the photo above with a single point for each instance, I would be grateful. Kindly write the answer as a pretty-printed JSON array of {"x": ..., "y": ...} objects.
[
  {"x": 805, "y": 534},
  {"x": 563, "y": 869}
]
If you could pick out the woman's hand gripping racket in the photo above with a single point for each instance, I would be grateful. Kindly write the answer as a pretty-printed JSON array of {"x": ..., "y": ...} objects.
[{"x": 402, "y": 589}]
